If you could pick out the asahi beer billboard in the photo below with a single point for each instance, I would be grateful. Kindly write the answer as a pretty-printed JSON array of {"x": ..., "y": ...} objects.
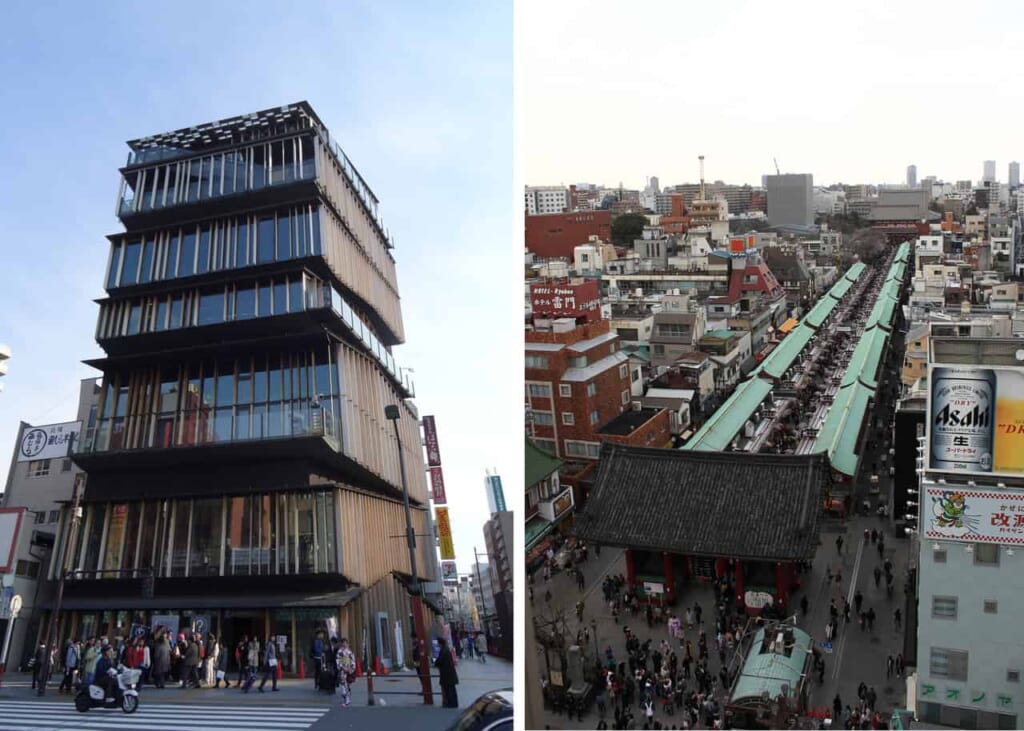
[
  {"x": 976, "y": 420},
  {"x": 47, "y": 442}
]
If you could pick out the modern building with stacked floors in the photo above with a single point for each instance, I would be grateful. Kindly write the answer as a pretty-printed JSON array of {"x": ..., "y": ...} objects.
[{"x": 241, "y": 475}]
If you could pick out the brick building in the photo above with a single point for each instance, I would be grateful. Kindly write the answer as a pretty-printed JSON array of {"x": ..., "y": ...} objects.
[
  {"x": 557, "y": 234},
  {"x": 577, "y": 386}
]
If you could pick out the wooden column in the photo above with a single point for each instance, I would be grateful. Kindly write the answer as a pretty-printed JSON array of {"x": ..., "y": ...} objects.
[
  {"x": 670, "y": 579},
  {"x": 781, "y": 584},
  {"x": 630, "y": 569},
  {"x": 739, "y": 580}
]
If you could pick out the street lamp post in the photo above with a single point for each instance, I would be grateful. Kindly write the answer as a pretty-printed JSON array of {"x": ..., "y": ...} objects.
[{"x": 392, "y": 414}]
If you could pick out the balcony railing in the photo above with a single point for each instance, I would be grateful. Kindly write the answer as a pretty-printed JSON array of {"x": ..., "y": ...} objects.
[{"x": 211, "y": 425}]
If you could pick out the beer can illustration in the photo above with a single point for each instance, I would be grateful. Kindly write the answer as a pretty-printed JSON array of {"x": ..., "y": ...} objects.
[{"x": 962, "y": 428}]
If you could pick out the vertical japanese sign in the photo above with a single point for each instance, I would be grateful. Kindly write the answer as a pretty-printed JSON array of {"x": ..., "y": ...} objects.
[
  {"x": 430, "y": 438},
  {"x": 437, "y": 486},
  {"x": 444, "y": 532}
]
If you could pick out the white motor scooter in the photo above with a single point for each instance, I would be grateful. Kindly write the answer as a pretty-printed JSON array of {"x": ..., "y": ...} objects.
[{"x": 126, "y": 696}]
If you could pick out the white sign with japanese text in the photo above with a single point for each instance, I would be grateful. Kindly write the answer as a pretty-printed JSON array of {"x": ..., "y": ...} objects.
[
  {"x": 48, "y": 442},
  {"x": 973, "y": 515}
]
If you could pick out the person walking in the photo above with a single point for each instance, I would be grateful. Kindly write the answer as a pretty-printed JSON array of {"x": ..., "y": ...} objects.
[
  {"x": 448, "y": 677},
  {"x": 71, "y": 657},
  {"x": 858, "y": 600},
  {"x": 210, "y": 662},
  {"x": 316, "y": 654},
  {"x": 190, "y": 663},
  {"x": 890, "y": 666},
  {"x": 89, "y": 658},
  {"x": 803, "y": 604},
  {"x": 871, "y": 619},
  {"x": 839, "y": 545},
  {"x": 481, "y": 647},
  {"x": 269, "y": 664},
  {"x": 221, "y": 667},
  {"x": 878, "y": 576},
  {"x": 897, "y": 618},
  {"x": 846, "y": 610},
  {"x": 346, "y": 662},
  {"x": 899, "y": 665},
  {"x": 241, "y": 651},
  {"x": 252, "y": 661},
  {"x": 161, "y": 659}
]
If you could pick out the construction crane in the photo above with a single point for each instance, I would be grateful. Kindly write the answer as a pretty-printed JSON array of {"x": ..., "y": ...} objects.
[{"x": 776, "y": 166}]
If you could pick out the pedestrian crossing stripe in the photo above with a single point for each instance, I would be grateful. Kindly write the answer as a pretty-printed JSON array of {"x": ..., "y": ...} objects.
[{"x": 33, "y": 716}]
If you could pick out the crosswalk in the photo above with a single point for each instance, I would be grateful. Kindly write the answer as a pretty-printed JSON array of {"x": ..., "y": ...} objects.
[{"x": 62, "y": 716}]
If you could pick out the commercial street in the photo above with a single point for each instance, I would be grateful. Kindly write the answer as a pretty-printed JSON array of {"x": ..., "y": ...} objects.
[{"x": 295, "y": 706}]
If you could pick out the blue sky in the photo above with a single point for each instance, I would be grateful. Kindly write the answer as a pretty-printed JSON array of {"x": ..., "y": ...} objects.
[{"x": 419, "y": 97}]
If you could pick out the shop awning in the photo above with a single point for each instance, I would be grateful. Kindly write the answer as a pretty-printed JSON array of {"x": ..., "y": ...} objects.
[
  {"x": 210, "y": 601},
  {"x": 788, "y": 325},
  {"x": 537, "y": 527}
]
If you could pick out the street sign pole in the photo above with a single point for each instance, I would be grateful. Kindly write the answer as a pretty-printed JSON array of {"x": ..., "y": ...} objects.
[{"x": 14, "y": 609}]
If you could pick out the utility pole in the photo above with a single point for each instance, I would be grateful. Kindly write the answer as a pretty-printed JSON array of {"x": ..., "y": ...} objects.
[
  {"x": 392, "y": 414},
  {"x": 52, "y": 625}
]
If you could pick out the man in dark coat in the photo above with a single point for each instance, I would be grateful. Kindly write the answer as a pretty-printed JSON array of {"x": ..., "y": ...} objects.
[
  {"x": 449, "y": 678},
  {"x": 190, "y": 676},
  {"x": 161, "y": 659}
]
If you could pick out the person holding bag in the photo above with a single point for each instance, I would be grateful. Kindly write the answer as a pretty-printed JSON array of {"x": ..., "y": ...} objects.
[{"x": 269, "y": 664}]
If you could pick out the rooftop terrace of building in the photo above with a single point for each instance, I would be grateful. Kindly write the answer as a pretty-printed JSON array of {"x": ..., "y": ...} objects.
[{"x": 628, "y": 421}]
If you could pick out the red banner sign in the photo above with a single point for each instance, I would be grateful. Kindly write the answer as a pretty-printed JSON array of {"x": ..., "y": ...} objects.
[
  {"x": 430, "y": 437},
  {"x": 437, "y": 486}
]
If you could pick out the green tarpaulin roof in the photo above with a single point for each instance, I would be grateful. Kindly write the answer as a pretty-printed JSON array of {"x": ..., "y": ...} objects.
[
  {"x": 768, "y": 671},
  {"x": 839, "y": 433},
  {"x": 863, "y": 364},
  {"x": 729, "y": 418},
  {"x": 786, "y": 353},
  {"x": 539, "y": 464}
]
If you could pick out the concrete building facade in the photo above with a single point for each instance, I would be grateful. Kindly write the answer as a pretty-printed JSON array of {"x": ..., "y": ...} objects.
[{"x": 790, "y": 200}]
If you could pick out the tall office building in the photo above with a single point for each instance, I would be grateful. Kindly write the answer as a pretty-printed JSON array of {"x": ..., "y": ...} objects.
[
  {"x": 790, "y": 200},
  {"x": 912, "y": 176},
  {"x": 1014, "y": 179},
  {"x": 241, "y": 455},
  {"x": 990, "y": 171},
  {"x": 495, "y": 494}
]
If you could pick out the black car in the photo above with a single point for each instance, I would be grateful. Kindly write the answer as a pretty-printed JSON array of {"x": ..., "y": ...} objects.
[{"x": 490, "y": 712}]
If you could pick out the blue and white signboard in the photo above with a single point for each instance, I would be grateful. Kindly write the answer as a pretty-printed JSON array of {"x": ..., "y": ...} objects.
[{"x": 48, "y": 442}]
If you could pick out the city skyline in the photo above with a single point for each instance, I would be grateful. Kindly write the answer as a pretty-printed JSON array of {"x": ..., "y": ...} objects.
[
  {"x": 393, "y": 60},
  {"x": 756, "y": 84}
]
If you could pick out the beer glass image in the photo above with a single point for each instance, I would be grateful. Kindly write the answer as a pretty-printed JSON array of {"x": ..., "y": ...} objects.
[{"x": 1009, "y": 432}]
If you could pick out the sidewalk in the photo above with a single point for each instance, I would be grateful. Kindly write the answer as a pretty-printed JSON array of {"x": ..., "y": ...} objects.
[{"x": 475, "y": 678}]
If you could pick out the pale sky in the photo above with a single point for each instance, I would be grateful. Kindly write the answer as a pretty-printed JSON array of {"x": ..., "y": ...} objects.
[
  {"x": 419, "y": 97},
  {"x": 850, "y": 92}
]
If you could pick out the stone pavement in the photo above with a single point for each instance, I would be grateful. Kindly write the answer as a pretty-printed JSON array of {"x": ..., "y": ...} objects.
[{"x": 857, "y": 655}]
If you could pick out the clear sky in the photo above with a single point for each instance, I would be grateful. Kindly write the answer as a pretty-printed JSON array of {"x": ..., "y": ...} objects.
[
  {"x": 850, "y": 92},
  {"x": 420, "y": 97}
]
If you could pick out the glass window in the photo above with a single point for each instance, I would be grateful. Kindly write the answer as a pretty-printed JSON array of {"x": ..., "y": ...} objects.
[
  {"x": 306, "y": 508},
  {"x": 241, "y": 522},
  {"x": 229, "y": 161},
  {"x": 211, "y": 308},
  {"x": 274, "y": 378},
  {"x": 179, "y": 539},
  {"x": 280, "y": 298},
  {"x": 94, "y": 535},
  {"x": 193, "y": 181},
  {"x": 206, "y": 537},
  {"x": 187, "y": 263},
  {"x": 242, "y": 243},
  {"x": 134, "y": 319},
  {"x": 203, "y": 259},
  {"x": 277, "y": 162},
  {"x": 289, "y": 159},
  {"x": 308, "y": 158},
  {"x": 295, "y": 303},
  {"x": 206, "y": 406},
  {"x": 264, "y": 302},
  {"x": 218, "y": 173},
  {"x": 284, "y": 244},
  {"x": 259, "y": 169},
  {"x": 245, "y": 303},
  {"x": 167, "y": 406},
  {"x": 316, "y": 231},
  {"x": 172, "y": 257},
  {"x": 167, "y": 191},
  {"x": 146, "y": 269},
  {"x": 175, "y": 321},
  {"x": 130, "y": 272},
  {"x": 115, "y": 263},
  {"x": 265, "y": 240},
  {"x": 259, "y": 389}
]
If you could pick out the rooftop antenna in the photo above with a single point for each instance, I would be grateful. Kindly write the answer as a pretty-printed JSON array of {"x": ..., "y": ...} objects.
[
  {"x": 776, "y": 166},
  {"x": 701, "y": 158}
]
